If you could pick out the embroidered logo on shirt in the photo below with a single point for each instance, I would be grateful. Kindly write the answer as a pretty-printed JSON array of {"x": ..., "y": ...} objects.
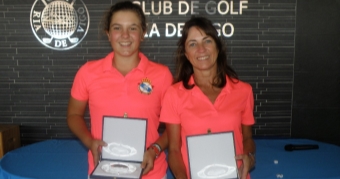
[{"x": 145, "y": 86}]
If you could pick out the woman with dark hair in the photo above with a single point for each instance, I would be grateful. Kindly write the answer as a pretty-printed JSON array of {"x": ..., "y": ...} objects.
[
  {"x": 184, "y": 68},
  {"x": 207, "y": 97},
  {"x": 123, "y": 83}
]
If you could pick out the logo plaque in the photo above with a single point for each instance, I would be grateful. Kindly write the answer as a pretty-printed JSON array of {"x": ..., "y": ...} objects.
[{"x": 59, "y": 24}]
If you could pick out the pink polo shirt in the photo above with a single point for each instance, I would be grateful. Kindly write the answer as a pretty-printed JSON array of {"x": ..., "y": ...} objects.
[
  {"x": 139, "y": 94},
  {"x": 196, "y": 114}
]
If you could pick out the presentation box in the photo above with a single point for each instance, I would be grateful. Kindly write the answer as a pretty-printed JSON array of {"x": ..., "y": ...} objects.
[
  {"x": 212, "y": 156},
  {"x": 122, "y": 157}
]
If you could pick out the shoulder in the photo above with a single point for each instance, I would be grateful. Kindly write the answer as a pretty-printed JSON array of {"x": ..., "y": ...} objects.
[
  {"x": 155, "y": 66},
  {"x": 176, "y": 89},
  {"x": 242, "y": 84},
  {"x": 100, "y": 64},
  {"x": 152, "y": 67},
  {"x": 93, "y": 65},
  {"x": 239, "y": 84},
  {"x": 174, "y": 94},
  {"x": 159, "y": 72}
]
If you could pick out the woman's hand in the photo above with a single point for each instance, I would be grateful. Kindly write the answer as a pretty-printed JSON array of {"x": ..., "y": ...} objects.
[
  {"x": 248, "y": 162},
  {"x": 95, "y": 147},
  {"x": 148, "y": 161}
]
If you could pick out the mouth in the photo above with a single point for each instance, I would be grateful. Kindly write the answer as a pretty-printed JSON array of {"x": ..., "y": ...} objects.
[
  {"x": 202, "y": 58},
  {"x": 125, "y": 43}
]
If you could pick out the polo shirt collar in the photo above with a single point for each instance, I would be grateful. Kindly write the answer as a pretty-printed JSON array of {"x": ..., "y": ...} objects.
[
  {"x": 107, "y": 63},
  {"x": 227, "y": 89}
]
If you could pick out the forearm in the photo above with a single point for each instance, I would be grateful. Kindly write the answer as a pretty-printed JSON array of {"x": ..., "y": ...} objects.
[
  {"x": 175, "y": 158},
  {"x": 162, "y": 141},
  {"x": 249, "y": 146},
  {"x": 248, "y": 142},
  {"x": 77, "y": 125},
  {"x": 177, "y": 165},
  {"x": 249, "y": 149}
]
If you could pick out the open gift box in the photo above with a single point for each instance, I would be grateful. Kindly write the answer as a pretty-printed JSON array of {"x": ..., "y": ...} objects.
[
  {"x": 123, "y": 155},
  {"x": 212, "y": 156}
]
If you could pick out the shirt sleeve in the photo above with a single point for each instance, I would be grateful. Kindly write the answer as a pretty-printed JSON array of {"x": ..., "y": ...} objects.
[
  {"x": 167, "y": 81},
  {"x": 79, "y": 90},
  {"x": 169, "y": 111},
  {"x": 248, "y": 113}
]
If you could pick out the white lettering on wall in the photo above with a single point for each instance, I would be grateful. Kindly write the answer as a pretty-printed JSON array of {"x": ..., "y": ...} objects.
[{"x": 185, "y": 7}]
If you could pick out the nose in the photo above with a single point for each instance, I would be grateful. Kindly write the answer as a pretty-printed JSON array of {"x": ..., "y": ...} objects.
[
  {"x": 125, "y": 33},
  {"x": 200, "y": 47}
]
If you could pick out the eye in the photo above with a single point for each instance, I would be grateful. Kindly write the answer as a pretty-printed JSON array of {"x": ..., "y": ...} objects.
[
  {"x": 208, "y": 41},
  {"x": 134, "y": 28},
  {"x": 192, "y": 44},
  {"x": 115, "y": 28}
]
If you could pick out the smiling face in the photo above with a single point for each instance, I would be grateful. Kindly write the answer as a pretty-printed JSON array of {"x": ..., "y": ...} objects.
[
  {"x": 125, "y": 33},
  {"x": 201, "y": 50}
]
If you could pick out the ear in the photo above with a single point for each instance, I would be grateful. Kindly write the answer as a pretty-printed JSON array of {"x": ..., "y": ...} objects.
[
  {"x": 107, "y": 34},
  {"x": 186, "y": 55},
  {"x": 142, "y": 37}
]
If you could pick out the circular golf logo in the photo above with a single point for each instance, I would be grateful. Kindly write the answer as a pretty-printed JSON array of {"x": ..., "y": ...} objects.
[{"x": 59, "y": 24}]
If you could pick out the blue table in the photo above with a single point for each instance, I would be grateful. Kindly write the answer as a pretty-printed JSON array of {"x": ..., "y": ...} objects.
[
  {"x": 50, "y": 159},
  {"x": 322, "y": 163},
  {"x": 67, "y": 159}
]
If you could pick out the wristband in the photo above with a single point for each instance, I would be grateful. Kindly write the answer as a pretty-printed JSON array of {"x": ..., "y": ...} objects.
[
  {"x": 251, "y": 155},
  {"x": 156, "y": 148}
]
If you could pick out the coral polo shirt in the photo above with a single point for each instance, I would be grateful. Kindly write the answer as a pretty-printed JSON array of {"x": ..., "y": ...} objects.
[
  {"x": 196, "y": 114},
  {"x": 138, "y": 94}
]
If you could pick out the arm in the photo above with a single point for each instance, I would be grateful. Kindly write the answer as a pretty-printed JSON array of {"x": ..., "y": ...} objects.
[
  {"x": 76, "y": 123},
  {"x": 175, "y": 156},
  {"x": 162, "y": 141},
  {"x": 248, "y": 147},
  {"x": 150, "y": 155}
]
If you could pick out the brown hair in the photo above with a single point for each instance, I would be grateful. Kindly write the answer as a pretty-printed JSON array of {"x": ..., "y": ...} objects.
[
  {"x": 124, "y": 6},
  {"x": 184, "y": 68}
]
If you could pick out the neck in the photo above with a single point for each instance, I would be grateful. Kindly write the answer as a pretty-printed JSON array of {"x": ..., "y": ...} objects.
[
  {"x": 204, "y": 78},
  {"x": 125, "y": 64},
  {"x": 204, "y": 81}
]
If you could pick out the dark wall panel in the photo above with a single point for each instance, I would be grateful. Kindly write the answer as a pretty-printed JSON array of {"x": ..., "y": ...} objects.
[
  {"x": 316, "y": 104},
  {"x": 35, "y": 81}
]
